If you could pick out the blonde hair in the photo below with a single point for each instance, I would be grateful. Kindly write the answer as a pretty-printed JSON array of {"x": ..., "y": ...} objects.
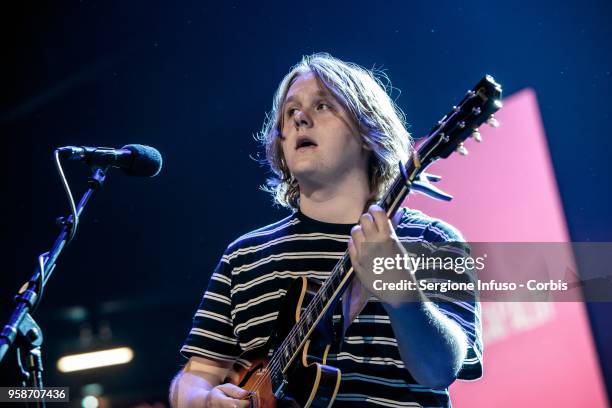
[{"x": 362, "y": 93}]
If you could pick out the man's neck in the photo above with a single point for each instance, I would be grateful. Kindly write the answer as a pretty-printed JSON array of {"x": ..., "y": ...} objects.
[{"x": 341, "y": 203}]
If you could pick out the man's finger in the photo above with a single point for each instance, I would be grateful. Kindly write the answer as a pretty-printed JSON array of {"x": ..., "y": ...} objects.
[
  {"x": 217, "y": 398},
  {"x": 232, "y": 390},
  {"x": 380, "y": 218},
  {"x": 353, "y": 253},
  {"x": 239, "y": 404},
  {"x": 357, "y": 235},
  {"x": 367, "y": 224}
]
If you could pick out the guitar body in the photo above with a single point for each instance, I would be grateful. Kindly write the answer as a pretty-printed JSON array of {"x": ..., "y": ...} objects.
[{"x": 309, "y": 382}]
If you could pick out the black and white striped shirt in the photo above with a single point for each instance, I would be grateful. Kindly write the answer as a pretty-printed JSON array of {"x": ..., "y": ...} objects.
[{"x": 240, "y": 307}]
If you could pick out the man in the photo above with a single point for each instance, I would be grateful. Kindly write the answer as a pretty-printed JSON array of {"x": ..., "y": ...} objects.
[{"x": 333, "y": 141}]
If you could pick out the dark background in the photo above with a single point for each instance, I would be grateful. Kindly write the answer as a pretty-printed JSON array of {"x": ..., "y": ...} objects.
[{"x": 195, "y": 80}]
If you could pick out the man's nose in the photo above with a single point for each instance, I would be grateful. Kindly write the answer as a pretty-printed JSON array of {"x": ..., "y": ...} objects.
[{"x": 301, "y": 119}]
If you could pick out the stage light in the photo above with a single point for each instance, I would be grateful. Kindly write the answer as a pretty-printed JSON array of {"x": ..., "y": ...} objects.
[
  {"x": 96, "y": 359},
  {"x": 90, "y": 402}
]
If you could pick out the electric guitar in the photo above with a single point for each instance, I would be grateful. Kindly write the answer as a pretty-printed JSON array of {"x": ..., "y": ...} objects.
[{"x": 295, "y": 374}]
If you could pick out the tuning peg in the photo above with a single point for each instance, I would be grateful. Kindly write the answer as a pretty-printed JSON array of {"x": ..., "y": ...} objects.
[
  {"x": 462, "y": 150},
  {"x": 493, "y": 122},
  {"x": 476, "y": 136}
]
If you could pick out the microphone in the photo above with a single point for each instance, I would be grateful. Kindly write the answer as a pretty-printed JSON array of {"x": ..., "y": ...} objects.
[{"x": 133, "y": 159}]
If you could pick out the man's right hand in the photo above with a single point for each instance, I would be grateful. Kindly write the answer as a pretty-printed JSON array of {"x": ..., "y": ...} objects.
[
  {"x": 199, "y": 385},
  {"x": 226, "y": 396}
]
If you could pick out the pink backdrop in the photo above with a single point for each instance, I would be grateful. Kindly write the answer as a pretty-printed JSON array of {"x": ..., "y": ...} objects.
[{"x": 536, "y": 354}]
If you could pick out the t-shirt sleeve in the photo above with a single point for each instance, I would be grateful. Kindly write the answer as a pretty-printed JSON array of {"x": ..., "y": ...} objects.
[
  {"x": 462, "y": 307},
  {"x": 212, "y": 335}
]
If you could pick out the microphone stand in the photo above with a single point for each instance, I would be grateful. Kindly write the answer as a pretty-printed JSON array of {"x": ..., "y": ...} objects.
[{"x": 21, "y": 328}]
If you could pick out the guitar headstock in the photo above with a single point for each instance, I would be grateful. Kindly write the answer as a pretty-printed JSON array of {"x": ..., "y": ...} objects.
[{"x": 478, "y": 106}]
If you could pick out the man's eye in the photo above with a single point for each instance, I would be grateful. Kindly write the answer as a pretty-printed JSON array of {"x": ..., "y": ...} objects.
[
  {"x": 323, "y": 106},
  {"x": 291, "y": 111}
]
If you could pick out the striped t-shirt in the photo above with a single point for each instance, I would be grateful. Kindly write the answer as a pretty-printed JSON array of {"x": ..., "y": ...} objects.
[{"x": 239, "y": 309}]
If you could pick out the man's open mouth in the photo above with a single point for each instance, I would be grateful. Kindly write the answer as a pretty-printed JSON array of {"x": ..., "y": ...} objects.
[{"x": 304, "y": 141}]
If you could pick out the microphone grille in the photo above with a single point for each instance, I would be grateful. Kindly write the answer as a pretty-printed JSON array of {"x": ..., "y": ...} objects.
[{"x": 147, "y": 161}]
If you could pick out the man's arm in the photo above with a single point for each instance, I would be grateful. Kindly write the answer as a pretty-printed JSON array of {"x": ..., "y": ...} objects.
[
  {"x": 198, "y": 385},
  {"x": 432, "y": 346}
]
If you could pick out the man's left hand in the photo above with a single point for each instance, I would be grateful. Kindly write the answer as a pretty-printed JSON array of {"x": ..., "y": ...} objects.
[{"x": 375, "y": 237}]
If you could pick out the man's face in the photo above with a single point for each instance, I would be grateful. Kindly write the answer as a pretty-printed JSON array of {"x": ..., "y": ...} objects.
[{"x": 320, "y": 142}]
